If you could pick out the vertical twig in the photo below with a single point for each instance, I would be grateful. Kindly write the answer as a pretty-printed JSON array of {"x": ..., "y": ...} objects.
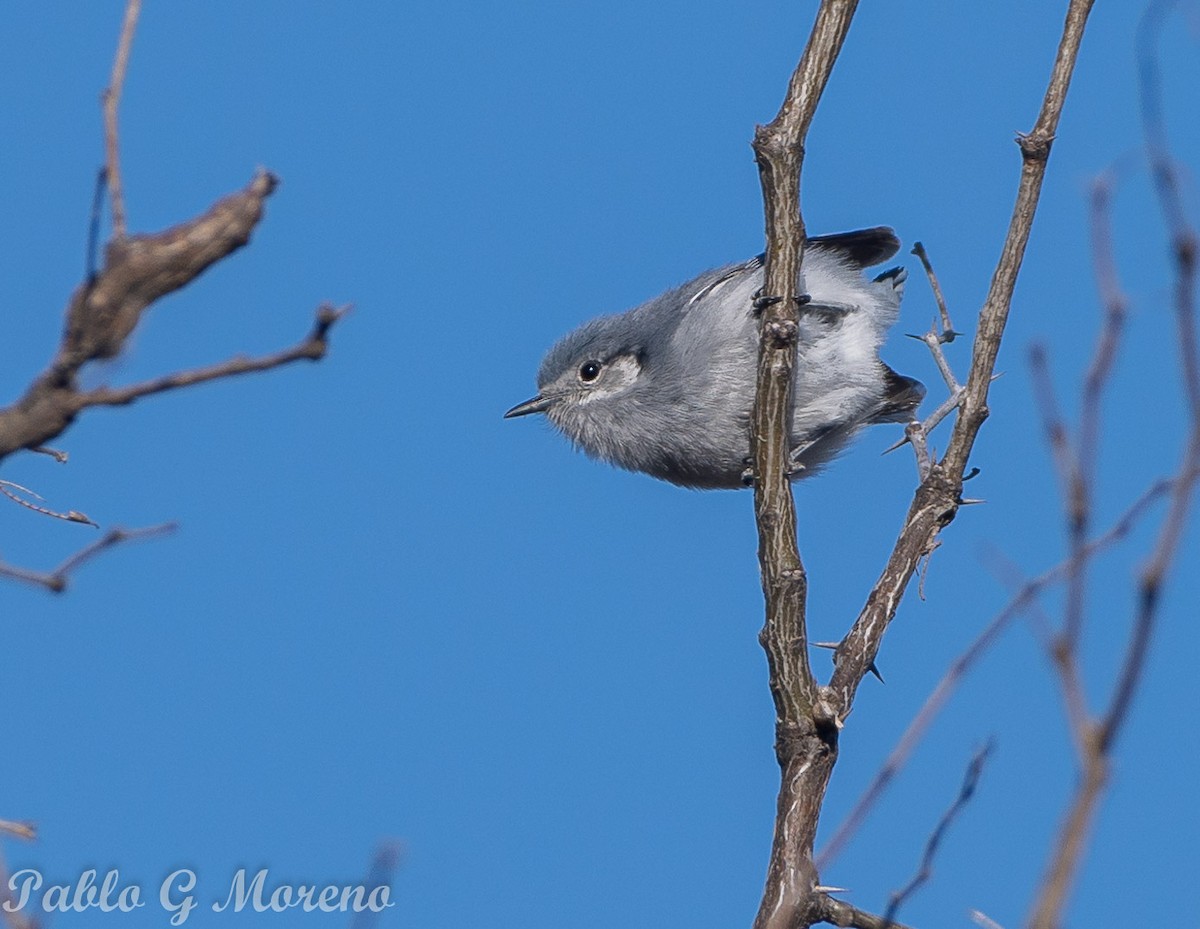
[
  {"x": 111, "y": 101},
  {"x": 806, "y": 738}
]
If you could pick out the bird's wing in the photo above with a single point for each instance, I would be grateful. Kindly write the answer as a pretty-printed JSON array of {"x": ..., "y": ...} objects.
[{"x": 732, "y": 273}]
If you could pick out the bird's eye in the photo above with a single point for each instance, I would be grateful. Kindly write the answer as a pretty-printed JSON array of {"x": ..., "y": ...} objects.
[{"x": 589, "y": 371}]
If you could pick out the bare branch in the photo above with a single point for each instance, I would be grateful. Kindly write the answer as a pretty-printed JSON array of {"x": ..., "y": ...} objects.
[
  {"x": 806, "y": 733},
  {"x": 57, "y": 454},
  {"x": 947, "y": 334},
  {"x": 22, "y": 830},
  {"x": 311, "y": 348},
  {"x": 56, "y": 581},
  {"x": 71, "y": 516},
  {"x": 1070, "y": 844},
  {"x": 1053, "y": 423},
  {"x": 925, "y": 868},
  {"x": 382, "y": 873},
  {"x": 108, "y": 305},
  {"x": 104, "y": 311},
  {"x": 837, "y": 913},
  {"x": 112, "y": 100}
]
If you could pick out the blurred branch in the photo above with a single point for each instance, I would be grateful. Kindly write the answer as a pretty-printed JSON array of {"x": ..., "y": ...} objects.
[
  {"x": 56, "y": 580},
  {"x": 925, "y": 868},
  {"x": 382, "y": 873},
  {"x": 22, "y": 830},
  {"x": 14, "y": 920},
  {"x": 1098, "y": 735},
  {"x": 805, "y": 729},
  {"x": 104, "y": 311},
  {"x": 106, "y": 308},
  {"x": 111, "y": 100}
]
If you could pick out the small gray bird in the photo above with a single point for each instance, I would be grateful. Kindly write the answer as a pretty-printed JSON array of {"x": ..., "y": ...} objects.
[{"x": 667, "y": 387}]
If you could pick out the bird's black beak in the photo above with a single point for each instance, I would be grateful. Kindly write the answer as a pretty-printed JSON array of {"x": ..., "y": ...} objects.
[{"x": 538, "y": 404}]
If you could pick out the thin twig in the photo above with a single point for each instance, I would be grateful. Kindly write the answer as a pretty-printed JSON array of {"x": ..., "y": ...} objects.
[
  {"x": 1053, "y": 423},
  {"x": 1080, "y": 489},
  {"x": 312, "y": 348},
  {"x": 56, "y": 581},
  {"x": 925, "y": 869},
  {"x": 1050, "y": 638},
  {"x": 71, "y": 516},
  {"x": 917, "y": 433},
  {"x": 947, "y": 334},
  {"x": 91, "y": 258},
  {"x": 933, "y": 339},
  {"x": 1076, "y": 491},
  {"x": 57, "y": 454},
  {"x": 111, "y": 101},
  {"x": 838, "y": 913}
]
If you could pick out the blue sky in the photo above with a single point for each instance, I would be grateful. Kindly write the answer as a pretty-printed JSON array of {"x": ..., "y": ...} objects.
[{"x": 390, "y": 614}]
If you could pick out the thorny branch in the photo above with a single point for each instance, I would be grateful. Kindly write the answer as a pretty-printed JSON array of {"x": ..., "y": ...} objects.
[{"x": 805, "y": 730}]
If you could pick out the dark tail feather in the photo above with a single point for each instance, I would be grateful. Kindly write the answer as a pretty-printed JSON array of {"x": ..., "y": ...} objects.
[
  {"x": 904, "y": 395},
  {"x": 864, "y": 247}
]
